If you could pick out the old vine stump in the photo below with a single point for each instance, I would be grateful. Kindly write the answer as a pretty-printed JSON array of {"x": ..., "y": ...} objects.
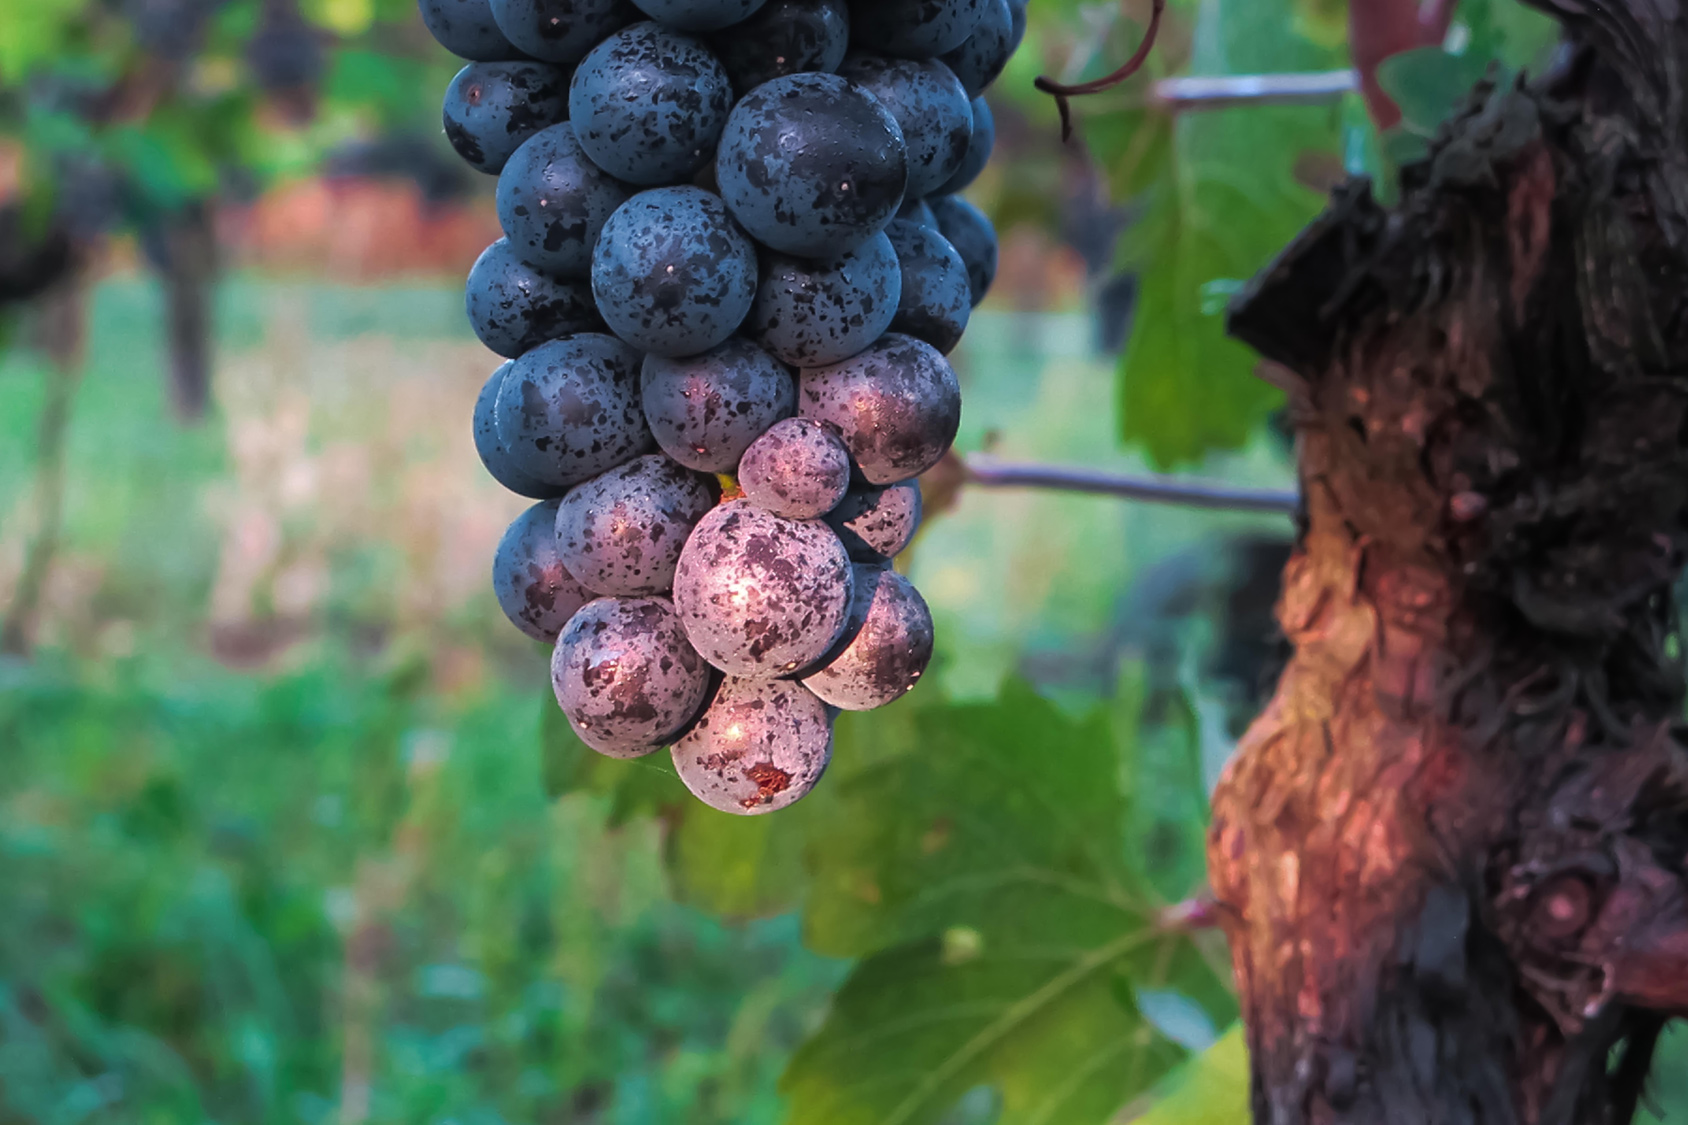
[{"x": 1450, "y": 855}]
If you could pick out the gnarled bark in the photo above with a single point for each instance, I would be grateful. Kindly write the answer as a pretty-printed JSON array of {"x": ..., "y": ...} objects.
[{"x": 1450, "y": 855}]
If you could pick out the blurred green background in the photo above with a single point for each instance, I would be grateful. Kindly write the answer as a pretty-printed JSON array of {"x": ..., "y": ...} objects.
[{"x": 289, "y": 828}]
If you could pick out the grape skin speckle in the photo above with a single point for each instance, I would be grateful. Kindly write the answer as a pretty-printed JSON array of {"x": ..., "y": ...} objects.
[
  {"x": 897, "y": 406},
  {"x": 625, "y": 677},
  {"x": 672, "y": 273},
  {"x": 889, "y": 648},
  {"x": 648, "y": 105},
  {"x": 761, "y": 746},
  {"x": 569, "y": 409},
  {"x": 533, "y": 586},
  {"x": 812, "y": 165},
  {"x": 514, "y": 307},
  {"x": 799, "y": 469},
  {"x": 622, "y": 532},
  {"x": 759, "y": 595},
  {"x": 492, "y": 107},
  {"x": 811, "y": 313},
  {"x": 705, "y": 410}
]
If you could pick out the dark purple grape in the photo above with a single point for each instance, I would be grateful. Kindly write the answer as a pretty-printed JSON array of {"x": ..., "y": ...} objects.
[
  {"x": 706, "y": 410},
  {"x": 937, "y": 297},
  {"x": 466, "y": 29},
  {"x": 672, "y": 272},
  {"x": 980, "y": 61},
  {"x": 914, "y": 29},
  {"x": 699, "y": 15},
  {"x": 974, "y": 238},
  {"x": 760, "y": 595},
  {"x": 810, "y": 313},
  {"x": 812, "y": 165},
  {"x": 625, "y": 676},
  {"x": 561, "y": 31},
  {"x": 897, "y": 406},
  {"x": 978, "y": 149},
  {"x": 569, "y": 409},
  {"x": 514, "y": 307},
  {"x": 799, "y": 469},
  {"x": 534, "y": 588},
  {"x": 493, "y": 455},
  {"x": 931, "y": 108},
  {"x": 492, "y": 107},
  {"x": 877, "y": 524},
  {"x": 761, "y": 745},
  {"x": 648, "y": 105},
  {"x": 916, "y": 211},
  {"x": 622, "y": 532},
  {"x": 889, "y": 648},
  {"x": 784, "y": 37},
  {"x": 553, "y": 201}
]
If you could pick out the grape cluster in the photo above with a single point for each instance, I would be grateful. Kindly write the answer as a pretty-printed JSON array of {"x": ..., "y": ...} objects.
[{"x": 734, "y": 262}]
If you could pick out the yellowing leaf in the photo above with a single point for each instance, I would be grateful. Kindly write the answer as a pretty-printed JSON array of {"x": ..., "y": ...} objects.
[{"x": 343, "y": 17}]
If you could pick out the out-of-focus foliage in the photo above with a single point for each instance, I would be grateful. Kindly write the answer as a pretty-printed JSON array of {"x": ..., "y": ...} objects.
[
  {"x": 123, "y": 112},
  {"x": 1213, "y": 195}
]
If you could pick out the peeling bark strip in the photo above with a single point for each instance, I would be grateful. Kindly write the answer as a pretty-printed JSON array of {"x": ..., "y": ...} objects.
[{"x": 1450, "y": 855}]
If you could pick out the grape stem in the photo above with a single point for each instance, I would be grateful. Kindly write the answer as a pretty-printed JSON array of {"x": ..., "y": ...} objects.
[
  {"x": 988, "y": 472},
  {"x": 1189, "y": 94},
  {"x": 1062, "y": 92}
]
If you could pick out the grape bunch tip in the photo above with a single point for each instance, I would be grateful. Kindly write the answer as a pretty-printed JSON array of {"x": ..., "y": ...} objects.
[{"x": 734, "y": 261}]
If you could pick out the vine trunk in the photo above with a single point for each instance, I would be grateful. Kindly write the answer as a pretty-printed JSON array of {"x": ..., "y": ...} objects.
[{"x": 1450, "y": 854}]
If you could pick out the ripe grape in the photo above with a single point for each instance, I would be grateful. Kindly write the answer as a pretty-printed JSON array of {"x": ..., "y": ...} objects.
[
  {"x": 699, "y": 15},
  {"x": 810, "y": 313},
  {"x": 877, "y": 524},
  {"x": 913, "y": 30},
  {"x": 761, "y": 595},
  {"x": 916, "y": 211},
  {"x": 514, "y": 307},
  {"x": 799, "y": 469},
  {"x": 897, "y": 406},
  {"x": 534, "y": 588},
  {"x": 931, "y": 107},
  {"x": 466, "y": 29},
  {"x": 707, "y": 409},
  {"x": 492, "y": 107},
  {"x": 889, "y": 649},
  {"x": 622, "y": 532},
  {"x": 980, "y": 61},
  {"x": 978, "y": 149},
  {"x": 553, "y": 201},
  {"x": 761, "y": 745},
  {"x": 569, "y": 409},
  {"x": 625, "y": 676},
  {"x": 812, "y": 165},
  {"x": 784, "y": 37},
  {"x": 493, "y": 455},
  {"x": 648, "y": 104},
  {"x": 971, "y": 233},
  {"x": 937, "y": 297},
  {"x": 672, "y": 272},
  {"x": 560, "y": 31}
]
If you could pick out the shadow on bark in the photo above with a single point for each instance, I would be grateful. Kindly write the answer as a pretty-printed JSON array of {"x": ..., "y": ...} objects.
[{"x": 1450, "y": 854}]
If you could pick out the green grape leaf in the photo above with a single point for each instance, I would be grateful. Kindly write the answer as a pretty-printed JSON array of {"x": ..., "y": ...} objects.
[
  {"x": 1428, "y": 84},
  {"x": 985, "y": 816},
  {"x": 1225, "y": 200},
  {"x": 976, "y": 853},
  {"x": 917, "y": 1027},
  {"x": 1209, "y": 1089}
]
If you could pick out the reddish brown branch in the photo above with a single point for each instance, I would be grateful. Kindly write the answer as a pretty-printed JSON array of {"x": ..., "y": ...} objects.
[{"x": 1063, "y": 92}]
